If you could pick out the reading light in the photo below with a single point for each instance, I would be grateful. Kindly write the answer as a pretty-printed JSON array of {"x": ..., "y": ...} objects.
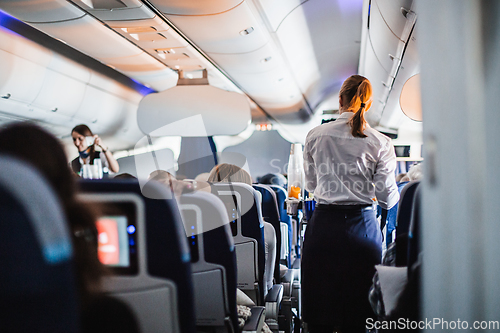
[{"x": 246, "y": 31}]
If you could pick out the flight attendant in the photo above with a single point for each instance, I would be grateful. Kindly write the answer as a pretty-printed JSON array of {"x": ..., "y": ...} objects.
[
  {"x": 348, "y": 166},
  {"x": 81, "y": 134}
]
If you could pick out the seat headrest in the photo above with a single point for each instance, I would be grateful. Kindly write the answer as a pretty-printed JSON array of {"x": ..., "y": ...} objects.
[{"x": 41, "y": 205}]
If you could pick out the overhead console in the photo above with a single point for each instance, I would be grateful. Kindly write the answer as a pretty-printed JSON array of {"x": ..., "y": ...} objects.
[{"x": 389, "y": 57}]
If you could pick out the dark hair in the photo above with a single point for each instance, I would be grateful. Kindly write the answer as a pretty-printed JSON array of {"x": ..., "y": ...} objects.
[
  {"x": 44, "y": 152},
  {"x": 356, "y": 94},
  {"x": 84, "y": 130},
  {"x": 273, "y": 179}
]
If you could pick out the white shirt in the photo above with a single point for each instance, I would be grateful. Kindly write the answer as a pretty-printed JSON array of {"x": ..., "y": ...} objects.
[{"x": 346, "y": 170}]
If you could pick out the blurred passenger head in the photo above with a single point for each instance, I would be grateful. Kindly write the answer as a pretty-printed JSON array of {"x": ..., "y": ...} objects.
[
  {"x": 229, "y": 173},
  {"x": 45, "y": 153},
  {"x": 161, "y": 176},
  {"x": 399, "y": 177},
  {"x": 124, "y": 175},
  {"x": 416, "y": 172},
  {"x": 202, "y": 177},
  {"x": 273, "y": 179},
  {"x": 356, "y": 96}
]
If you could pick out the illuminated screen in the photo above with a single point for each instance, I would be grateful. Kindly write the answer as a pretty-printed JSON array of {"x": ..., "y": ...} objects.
[
  {"x": 113, "y": 241},
  {"x": 231, "y": 205}
]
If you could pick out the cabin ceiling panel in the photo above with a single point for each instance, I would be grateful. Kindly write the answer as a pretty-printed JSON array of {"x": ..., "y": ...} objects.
[
  {"x": 74, "y": 70},
  {"x": 136, "y": 63},
  {"x": 38, "y": 11},
  {"x": 90, "y": 37},
  {"x": 21, "y": 78},
  {"x": 113, "y": 10},
  {"x": 391, "y": 12},
  {"x": 100, "y": 108},
  {"x": 220, "y": 33},
  {"x": 262, "y": 60},
  {"x": 323, "y": 58},
  {"x": 155, "y": 22},
  {"x": 106, "y": 85},
  {"x": 377, "y": 75},
  {"x": 158, "y": 80},
  {"x": 277, "y": 10},
  {"x": 383, "y": 41},
  {"x": 393, "y": 116},
  {"x": 263, "y": 88},
  {"x": 195, "y": 7},
  {"x": 60, "y": 94}
]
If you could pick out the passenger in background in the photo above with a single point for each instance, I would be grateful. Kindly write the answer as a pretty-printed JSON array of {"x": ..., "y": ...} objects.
[
  {"x": 416, "y": 172},
  {"x": 124, "y": 176},
  {"x": 85, "y": 141},
  {"x": 202, "y": 177},
  {"x": 45, "y": 153},
  {"x": 227, "y": 173},
  {"x": 388, "y": 217},
  {"x": 347, "y": 164},
  {"x": 163, "y": 177},
  {"x": 399, "y": 177},
  {"x": 273, "y": 179}
]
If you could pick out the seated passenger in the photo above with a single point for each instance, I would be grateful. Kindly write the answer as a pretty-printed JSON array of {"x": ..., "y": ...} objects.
[
  {"x": 202, "y": 177},
  {"x": 85, "y": 141},
  {"x": 226, "y": 173},
  {"x": 273, "y": 179},
  {"x": 45, "y": 153},
  {"x": 399, "y": 177}
]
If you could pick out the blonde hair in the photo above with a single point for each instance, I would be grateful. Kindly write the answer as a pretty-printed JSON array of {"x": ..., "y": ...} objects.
[
  {"x": 227, "y": 173},
  {"x": 356, "y": 93}
]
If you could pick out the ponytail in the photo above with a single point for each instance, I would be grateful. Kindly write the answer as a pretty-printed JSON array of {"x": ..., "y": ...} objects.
[{"x": 357, "y": 90}]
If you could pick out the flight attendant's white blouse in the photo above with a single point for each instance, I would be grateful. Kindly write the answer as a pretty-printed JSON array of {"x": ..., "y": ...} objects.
[{"x": 345, "y": 170}]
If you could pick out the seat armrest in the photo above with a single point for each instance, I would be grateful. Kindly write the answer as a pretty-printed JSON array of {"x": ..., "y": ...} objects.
[
  {"x": 256, "y": 320},
  {"x": 289, "y": 276},
  {"x": 273, "y": 302}
]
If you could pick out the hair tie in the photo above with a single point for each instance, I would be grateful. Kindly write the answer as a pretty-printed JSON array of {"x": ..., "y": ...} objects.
[{"x": 362, "y": 105}]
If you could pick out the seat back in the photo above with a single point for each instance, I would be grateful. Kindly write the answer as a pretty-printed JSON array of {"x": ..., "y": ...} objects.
[
  {"x": 242, "y": 204},
  {"x": 271, "y": 214},
  {"x": 414, "y": 233},
  {"x": 404, "y": 215},
  {"x": 213, "y": 260},
  {"x": 38, "y": 290},
  {"x": 286, "y": 244},
  {"x": 154, "y": 277}
]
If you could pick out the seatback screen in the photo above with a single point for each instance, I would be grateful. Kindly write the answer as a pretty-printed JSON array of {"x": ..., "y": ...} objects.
[
  {"x": 113, "y": 241},
  {"x": 117, "y": 237}
]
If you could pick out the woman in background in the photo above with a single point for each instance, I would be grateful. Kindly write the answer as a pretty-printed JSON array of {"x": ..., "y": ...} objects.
[{"x": 81, "y": 135}]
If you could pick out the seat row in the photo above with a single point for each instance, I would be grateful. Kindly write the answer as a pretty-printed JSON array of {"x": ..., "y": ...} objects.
[{"x": 175, "y": 263}]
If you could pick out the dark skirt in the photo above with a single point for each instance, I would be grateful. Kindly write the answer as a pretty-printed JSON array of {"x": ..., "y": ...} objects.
[{"x": 341, "y": 249}]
